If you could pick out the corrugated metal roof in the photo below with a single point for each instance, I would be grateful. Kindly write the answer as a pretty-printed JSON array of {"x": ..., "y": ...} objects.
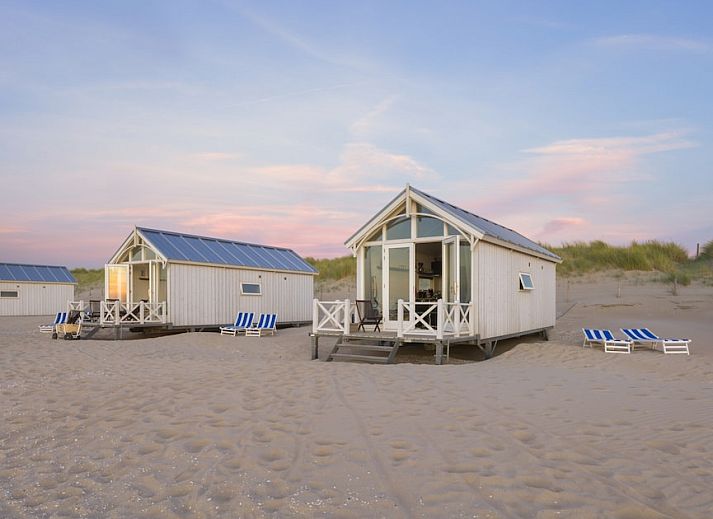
[
  {"x": 201, "y": 249},
  {"x": 487, "y": 227},
  {"x": 36, "y": 273}
]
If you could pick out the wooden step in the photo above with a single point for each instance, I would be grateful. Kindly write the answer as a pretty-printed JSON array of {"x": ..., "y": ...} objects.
[
  {"x": 360, "y": 345},
  {"x": 365, "y": 358}
]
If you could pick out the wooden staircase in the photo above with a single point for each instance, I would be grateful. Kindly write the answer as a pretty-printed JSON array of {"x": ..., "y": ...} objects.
[{"x": 365, "y": 349}]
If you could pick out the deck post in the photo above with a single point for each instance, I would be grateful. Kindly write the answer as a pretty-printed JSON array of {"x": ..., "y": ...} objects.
[
  {"x": 439, "y": 323},
  {"x": 315, "y": 347},
  {"x": 471, "y": 318},
  {"x": 439, "y": 352},
  {"x": 400, "y": 318},
  {"x": 315, "y": 315},
  {"x": 347, "y": 317}
]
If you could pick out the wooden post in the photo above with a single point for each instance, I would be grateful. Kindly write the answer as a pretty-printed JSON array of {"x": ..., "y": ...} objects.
[
  {"x": 439, "y": 322},
  {"x": 347, "y": 317},
  {"x": 315, "y": 315},
  {"x": 472, "y": 318},
  {"x": 400, "y": 318},
  {"x": 315, "y": 347},
  {"x": 439, "y": 352},
  {"x": 456, "y": 319}
]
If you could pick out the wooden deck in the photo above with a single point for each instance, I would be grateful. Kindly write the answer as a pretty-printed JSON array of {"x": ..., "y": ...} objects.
[{"x": 369, "y": 341}]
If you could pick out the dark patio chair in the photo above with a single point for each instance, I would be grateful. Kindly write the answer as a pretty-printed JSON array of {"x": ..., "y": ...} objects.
[{"x": 368, "y": 315}]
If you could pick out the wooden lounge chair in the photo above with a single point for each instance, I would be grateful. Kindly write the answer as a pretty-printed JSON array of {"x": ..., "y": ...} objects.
[
  {"x": 606, "y": 338},
  {"x": 646, "y": 336},
  {"x": 60, "y": 318},
  {"x": 267, "y": 323},
  {"x": 367, "y": 315},
  {"x": 243, "y": 321}
]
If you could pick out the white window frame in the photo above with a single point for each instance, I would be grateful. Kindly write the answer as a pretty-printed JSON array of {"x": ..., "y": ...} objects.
[
  {"x": 242, "y": 291},
  {"x": 523, "y": 286},
  {"x": 16, "y": 296}
]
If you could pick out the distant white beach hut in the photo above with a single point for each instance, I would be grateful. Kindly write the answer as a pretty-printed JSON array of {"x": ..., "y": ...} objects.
[
  {"x": 164, "y": 278},
  {"x": 34, "y": 289},
  {"x": 438, "y": 273}
]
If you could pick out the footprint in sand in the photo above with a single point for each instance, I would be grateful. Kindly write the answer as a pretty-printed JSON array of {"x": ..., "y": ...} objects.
[{"x": 195, "y": 446}]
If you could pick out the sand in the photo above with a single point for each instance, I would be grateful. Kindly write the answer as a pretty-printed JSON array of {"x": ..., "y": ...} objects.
[{"x": 203, "y": 425}]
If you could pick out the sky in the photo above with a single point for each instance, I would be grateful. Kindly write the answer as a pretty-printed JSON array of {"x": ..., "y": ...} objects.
[{"x": 292, "y": 123}]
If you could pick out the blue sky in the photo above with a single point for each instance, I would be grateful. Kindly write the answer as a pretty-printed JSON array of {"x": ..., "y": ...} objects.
[{"x": 290, "y": 123}]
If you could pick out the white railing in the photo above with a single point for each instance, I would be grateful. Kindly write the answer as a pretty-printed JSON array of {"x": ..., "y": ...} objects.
[
  {"x": 332, "y": 316},
  {"x": 116, "y": 312},
  {"x": 78, "y": 306},
  {"x": 434, "y": 318},
  {"x": 439, "y": 319}
]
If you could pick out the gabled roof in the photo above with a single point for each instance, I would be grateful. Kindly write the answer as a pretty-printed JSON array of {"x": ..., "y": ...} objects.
[
  {"x": 487, "y": 227},
  {"x": 35, "y": 273},
  {"x": 480, "y": 227},
  {"x": 189, "y": 248}
]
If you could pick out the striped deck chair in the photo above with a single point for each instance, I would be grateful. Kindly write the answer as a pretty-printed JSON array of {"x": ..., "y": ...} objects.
[
  {"x": 646, "y": 336},
  {"x": 243, "y": 321},
  {"x": 60, "y": 318},
  {"x": 606, "y": 338},
  {"x": 266, "y": 323}
]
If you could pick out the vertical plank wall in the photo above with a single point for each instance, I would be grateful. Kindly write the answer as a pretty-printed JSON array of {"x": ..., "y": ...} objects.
[
  {"x": 503, "y": 308},
  {"x": 203, "y": 295},
  {"x": 36, "y": 298}
]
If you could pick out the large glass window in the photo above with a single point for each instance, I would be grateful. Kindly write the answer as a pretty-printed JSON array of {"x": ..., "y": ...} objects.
[
  {"x": 372, "y": 275},
  {"x": 117, "y": 282},
  {"x": 428, "y": 226},
  {"x": 399, "y": 229},
  {"x": 465, "y": 270}
]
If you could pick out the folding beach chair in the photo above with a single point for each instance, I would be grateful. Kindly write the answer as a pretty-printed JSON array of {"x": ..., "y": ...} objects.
[
  {"x": 606, "y": 338},
  {"x": 265, "y": 324},
  {"x": 243, "y": 321},
  {"x": 646, "y": 336},
  {"x": 367, "y": 315},
  {"x": 60, "y": 318}
]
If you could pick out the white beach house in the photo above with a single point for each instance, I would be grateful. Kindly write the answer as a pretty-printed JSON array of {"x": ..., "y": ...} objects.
[
  {"x": 438, "y": 273},
  {"x": 179, "y": 280},
  {"x": 34, "y": 289}
]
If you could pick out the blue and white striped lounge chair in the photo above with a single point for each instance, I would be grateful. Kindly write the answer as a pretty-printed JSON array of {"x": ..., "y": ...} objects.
[
  {"x": 243, "y": 321},
  {"x": 60, "y": 318},
  {"x": 267, "y": 323},
  {"x": 606, "y": 338},
  {"x": 646, "y": 336}
]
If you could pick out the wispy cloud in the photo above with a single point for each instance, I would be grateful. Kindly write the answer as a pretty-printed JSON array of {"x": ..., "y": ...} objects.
[
  {"x": 654, "y": 42},
  {"x": 214, "y": 156}
]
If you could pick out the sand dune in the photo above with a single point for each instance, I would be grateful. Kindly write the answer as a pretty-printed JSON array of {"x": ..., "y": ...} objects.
[{"x": 199, "y": 425}]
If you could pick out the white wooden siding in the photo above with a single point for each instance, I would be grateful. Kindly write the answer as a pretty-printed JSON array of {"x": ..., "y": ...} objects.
[
  {"x": 36, "y": 298},
  {"x": 203, "y": 295},
  {"x": 502, "y": 307}
]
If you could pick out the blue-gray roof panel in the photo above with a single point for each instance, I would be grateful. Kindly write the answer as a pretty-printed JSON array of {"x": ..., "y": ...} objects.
[
  {"x": 487, "y": 227},
  {"x": 35, "y": 273},
  {"x": 201, "y": 249}
]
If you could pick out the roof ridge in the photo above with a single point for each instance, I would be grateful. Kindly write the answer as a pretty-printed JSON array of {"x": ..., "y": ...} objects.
[
  {"x": 176, "y": 233},
  {"x": 33, "y": 265}
]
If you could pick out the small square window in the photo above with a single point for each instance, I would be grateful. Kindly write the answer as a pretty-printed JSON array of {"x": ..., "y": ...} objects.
[
  {"x": 526, "y": 282},
  {"x": 250, "y": 289},
  {"x": 9, "y": 294}
]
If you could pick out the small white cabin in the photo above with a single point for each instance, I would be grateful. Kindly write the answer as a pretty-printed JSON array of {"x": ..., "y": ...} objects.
[
  {"x": 34, "y": 289},
  {"x": 435, "y": 271},
  {"x": 185, "y": 281}
]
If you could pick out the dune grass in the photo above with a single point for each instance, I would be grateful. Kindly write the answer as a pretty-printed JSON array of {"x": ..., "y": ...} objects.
[
  {"x": 87, "y": 278},
  {"x": 583, "y": 257},
  {"x": 334, "y": 268}
]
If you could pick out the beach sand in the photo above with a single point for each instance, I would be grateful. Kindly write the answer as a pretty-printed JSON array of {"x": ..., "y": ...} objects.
[{"x": 203, "y": 425}]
